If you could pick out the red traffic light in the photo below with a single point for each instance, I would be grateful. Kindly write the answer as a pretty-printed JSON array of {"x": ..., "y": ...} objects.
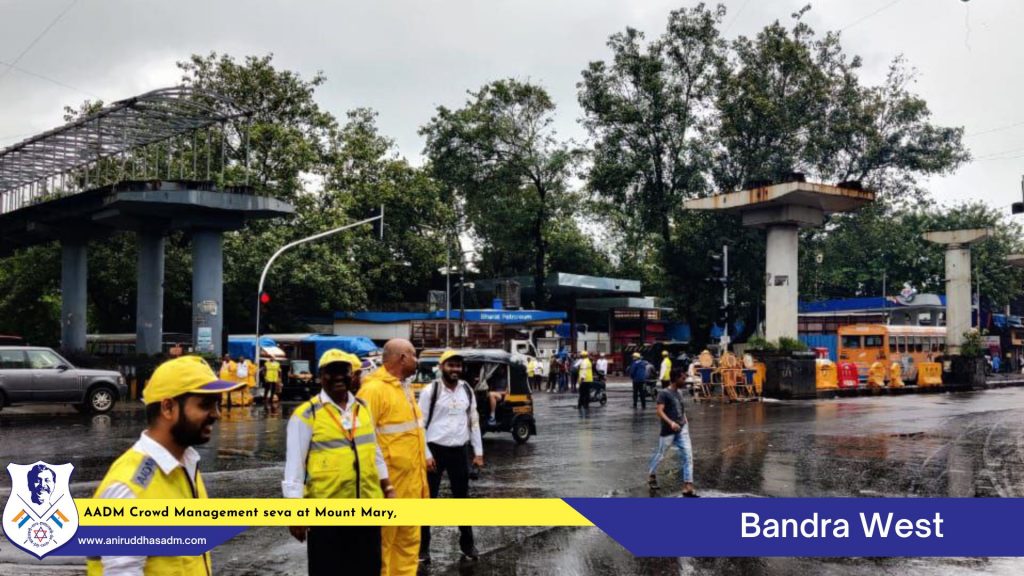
[{"x": 264, "y": 298}]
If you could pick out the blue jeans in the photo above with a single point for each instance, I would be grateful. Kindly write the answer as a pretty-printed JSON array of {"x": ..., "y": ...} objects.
[{"x": 681, "y": 440}]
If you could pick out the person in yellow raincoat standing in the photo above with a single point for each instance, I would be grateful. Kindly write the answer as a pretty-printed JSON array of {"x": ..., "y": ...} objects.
[
  {"x": 227, "y": 374},
  {"x": 399, "y": 425}
]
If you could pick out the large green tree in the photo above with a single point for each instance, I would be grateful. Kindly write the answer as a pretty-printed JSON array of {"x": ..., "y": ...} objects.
[
  {"x": 648, "y": 109},
  {"x": 500, "y": 156}
]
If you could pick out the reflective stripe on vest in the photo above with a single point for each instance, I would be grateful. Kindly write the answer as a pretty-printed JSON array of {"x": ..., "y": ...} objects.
[
  {"x": 399, "y": 428},
  {"x": 337, "y": 467},
  {"x": 145, "y": 479}
]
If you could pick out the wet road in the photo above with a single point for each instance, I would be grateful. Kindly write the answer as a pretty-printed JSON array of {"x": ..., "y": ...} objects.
[{"x": 963, "y": 445}]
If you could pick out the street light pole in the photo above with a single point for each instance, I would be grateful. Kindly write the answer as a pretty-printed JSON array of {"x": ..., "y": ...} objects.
[
  {"x": 447, "y": 296},
  {"x": 280, "y": 251}
]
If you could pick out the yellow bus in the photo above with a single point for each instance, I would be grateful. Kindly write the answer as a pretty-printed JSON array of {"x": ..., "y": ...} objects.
[{"x": 865, "y": 344}]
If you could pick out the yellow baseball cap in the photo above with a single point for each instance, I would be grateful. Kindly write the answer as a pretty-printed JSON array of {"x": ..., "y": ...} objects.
[
  {"x": 664, "y": 352},
  {"x": 184, "y": 375},
  {"x": 584, "y": 354},
  {"x": 334, "y": 355},
  {"x": 448, "y": 355},
  {"x": 636, "y": 354}
]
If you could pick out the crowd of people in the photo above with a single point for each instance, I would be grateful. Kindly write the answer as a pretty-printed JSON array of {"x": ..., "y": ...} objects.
[{"x": 362, "y": 436}]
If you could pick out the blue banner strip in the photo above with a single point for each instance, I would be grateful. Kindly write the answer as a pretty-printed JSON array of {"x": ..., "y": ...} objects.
[
  {"x": 798, "y": 527},
  {"x": 146, "y": 540}
]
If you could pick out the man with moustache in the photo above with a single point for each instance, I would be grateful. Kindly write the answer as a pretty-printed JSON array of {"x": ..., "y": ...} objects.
[
  {"x": 452, "y": 427},
  {"x": 41, "y": 483},
  {"x": 182, "y": 404},
  {"x": 399, "y": 426},
  {"x": 333, "y": 453}
]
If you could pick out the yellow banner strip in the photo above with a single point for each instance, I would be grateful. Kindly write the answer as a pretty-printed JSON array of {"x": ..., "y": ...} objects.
[{"x": 329, "y": 512}]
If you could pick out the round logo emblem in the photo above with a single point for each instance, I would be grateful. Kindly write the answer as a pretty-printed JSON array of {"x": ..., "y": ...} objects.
[{"x": 40, "y": 534}]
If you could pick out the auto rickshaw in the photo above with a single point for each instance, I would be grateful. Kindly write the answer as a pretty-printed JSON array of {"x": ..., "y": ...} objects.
[
  {"x": 488, "y": 370},
  {"x": 426, "y": 370}
]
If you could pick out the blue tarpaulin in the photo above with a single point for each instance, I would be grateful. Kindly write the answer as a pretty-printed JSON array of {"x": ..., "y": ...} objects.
[
  {"x": 246, "y": 345},
  {"x": 358, "y": 345}
]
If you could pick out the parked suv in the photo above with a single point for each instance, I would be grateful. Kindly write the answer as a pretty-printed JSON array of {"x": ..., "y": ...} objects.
[{"x": 31, "y": 374}]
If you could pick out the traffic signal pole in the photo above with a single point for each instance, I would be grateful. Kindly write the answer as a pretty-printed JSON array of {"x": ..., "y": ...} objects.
[
  {"x": 263, "y": 276},
  {"x": 725, "y": 296}
]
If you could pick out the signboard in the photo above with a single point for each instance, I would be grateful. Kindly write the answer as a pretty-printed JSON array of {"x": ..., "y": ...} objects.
[{"x": 204, "y": 339}]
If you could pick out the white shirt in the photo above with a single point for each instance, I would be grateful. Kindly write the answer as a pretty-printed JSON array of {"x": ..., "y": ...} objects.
[
  {"x": 134, "y": 565},
  {"x": 602, "y": 365},
  {"x": 299, "y": 436},
  {"x": 450, "y": 426}
]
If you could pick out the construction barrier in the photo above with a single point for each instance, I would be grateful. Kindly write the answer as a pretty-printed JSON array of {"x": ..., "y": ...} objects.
[
  {"x": 929, "y": 374},
  {"x": 826, "y": 377},
  {"x": 896, "y": 375},
  {"x": 848, "y": 377},
  {"x": 876, "y": 375}
]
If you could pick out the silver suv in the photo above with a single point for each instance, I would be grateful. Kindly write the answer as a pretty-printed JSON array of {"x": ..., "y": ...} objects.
[{"x": 31, "y": 374}]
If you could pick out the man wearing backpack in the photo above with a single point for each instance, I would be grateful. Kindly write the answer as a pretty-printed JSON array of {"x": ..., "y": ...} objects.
[{"x": 452, "y": 425}]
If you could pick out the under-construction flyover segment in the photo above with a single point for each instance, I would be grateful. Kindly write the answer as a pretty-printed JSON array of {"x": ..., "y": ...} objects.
[
  {"x": 174, "y": 159},
  {"x": 70, "y": 158}
]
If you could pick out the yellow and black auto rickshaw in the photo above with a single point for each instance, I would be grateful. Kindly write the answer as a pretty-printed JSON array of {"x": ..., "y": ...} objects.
[
  {"x": 494, "y": 370},
  {"x": 426, "y": 370}
]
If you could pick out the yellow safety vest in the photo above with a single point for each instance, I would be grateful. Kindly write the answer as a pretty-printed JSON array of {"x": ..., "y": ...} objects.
[
  {"x": 531, "y": 368},
  {"x": 273, "y": 371},
  {"x": 145, "y": 479},
  {"x": 333, "y": 468},
  {"x": 586, "y": 371},
  {"x": 666, "y": 370},
  {"x": 399, "y": 426}
]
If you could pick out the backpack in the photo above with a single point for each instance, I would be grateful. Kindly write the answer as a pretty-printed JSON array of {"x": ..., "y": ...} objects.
[{"x": 436, "y": 390}]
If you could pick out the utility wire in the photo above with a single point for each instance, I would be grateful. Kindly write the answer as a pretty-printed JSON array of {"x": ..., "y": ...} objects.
[
  {"x": 866, "y": 16},
  {"x": 48, "y": 79},
  {"x": 996, "y": 129},
  {"x": 10, "y": 66},
  {"x": 735, "y": 17}
]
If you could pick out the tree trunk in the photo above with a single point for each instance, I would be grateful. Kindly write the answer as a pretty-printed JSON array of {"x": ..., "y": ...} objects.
[{"x": 538, "y": 269}]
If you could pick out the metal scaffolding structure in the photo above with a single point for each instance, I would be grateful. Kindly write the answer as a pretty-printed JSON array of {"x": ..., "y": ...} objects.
[{"x": 152, "y": 136}]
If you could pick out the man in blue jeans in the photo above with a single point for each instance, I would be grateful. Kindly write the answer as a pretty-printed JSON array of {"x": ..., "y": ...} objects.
[{"x": 675, "y": 432}]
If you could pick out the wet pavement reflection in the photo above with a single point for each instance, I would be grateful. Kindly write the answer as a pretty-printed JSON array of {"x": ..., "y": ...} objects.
[{"x": 963, "y": 445}]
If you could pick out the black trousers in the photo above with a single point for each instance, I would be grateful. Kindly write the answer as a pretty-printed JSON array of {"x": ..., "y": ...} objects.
[
  {"x": 638, "y": 390},
  {"x": 455, "y": 461},
  {"x": 584, "y": 401},
  {"x": 355, "y": 550}
]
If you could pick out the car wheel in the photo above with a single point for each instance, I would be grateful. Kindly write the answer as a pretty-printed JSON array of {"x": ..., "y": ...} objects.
[
  {"x": 100, "y": 400},
  {"x": 521, "y": 431}
]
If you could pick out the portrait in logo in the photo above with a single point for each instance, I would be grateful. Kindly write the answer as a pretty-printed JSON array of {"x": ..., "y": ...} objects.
[{"x": 40, "y": 516}]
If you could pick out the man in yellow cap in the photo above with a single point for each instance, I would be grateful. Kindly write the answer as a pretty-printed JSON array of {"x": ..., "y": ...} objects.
[
  {"x": 399, "y": 425},
  {"x": 665, "y": 375},
  {"x": 638, "y": 374},
  {"x": 182, "y": 404},
  {"x": 452, "y": 428},
  {"x": 333, "y": 453},
  {"x": 586, "y": 380}
]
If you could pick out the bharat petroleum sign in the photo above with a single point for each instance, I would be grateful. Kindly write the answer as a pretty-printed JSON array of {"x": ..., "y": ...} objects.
[{"x": 505, "y": 317}]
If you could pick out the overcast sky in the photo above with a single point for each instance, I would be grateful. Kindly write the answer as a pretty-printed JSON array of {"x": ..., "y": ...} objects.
[{"x": 405, "y": 57}]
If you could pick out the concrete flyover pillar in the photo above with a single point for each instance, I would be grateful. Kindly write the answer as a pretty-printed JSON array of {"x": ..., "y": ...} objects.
[
  {"x": 783, "y": 209},
  {"x": 207, "y": 290},
  {"x": 958, "y": 281},
  {"x": 781, "y": 274},
  {"x": 149, "y": 307},
  {"x": 74, "y": 295}
]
